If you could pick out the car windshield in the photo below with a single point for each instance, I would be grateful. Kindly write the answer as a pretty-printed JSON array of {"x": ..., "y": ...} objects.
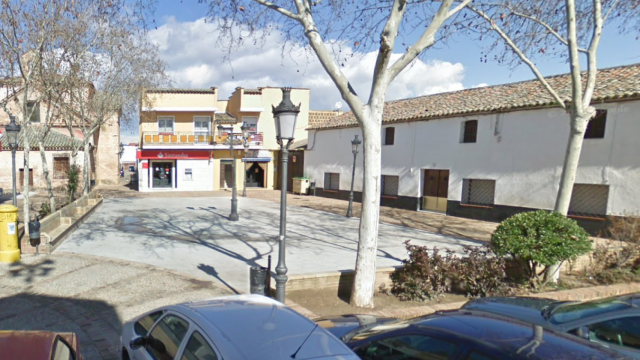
[{"x": 565, "y": 313}]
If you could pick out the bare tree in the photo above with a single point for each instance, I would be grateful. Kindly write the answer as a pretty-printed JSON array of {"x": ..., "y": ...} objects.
[
  {"x": 49, "y": 44},
  {"x": 561, "y": 28},
  {"x": 327, "y": 26}
]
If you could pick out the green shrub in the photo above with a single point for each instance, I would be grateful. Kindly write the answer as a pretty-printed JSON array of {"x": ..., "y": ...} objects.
[
  {"x": 45, "y": 209},
  {"x": 480, "y": 272},
  {"x": 72, "y": 184},
  {"x": 423, "y": 276},
  {"x": 539, "y": 239}
]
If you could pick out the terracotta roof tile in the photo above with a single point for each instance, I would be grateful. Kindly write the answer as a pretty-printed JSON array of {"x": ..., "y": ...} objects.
[
  {"x": 622, "y": 82},
  {"x": 211, "y": 90},
  {"x": 225, "y": 118},
  {"x": 53, "y": 141}
]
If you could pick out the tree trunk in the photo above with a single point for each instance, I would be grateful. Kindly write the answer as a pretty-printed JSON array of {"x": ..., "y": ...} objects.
[
  {"x": 25, "y": 184},
  {"x": 568, "y": 177},
  {"x": 86, "y": 170},
  {"x": 365, "y": 273},
  {"x": 47, "y": 177}
]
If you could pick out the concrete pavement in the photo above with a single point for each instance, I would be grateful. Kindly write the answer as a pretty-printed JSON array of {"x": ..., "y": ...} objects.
[{"x": 193, "y": 236}]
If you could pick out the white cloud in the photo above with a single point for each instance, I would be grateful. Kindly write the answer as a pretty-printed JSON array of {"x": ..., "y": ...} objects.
[
  {"x": 196, "y": 59},
  {"x": 480, "y": 85}
]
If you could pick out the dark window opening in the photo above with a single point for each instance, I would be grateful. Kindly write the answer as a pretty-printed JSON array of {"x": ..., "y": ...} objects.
[
  {"x": 470, "y": 131},
  {"x": 596, "y": 126},
  {"x": 389, "y": 135},
  {"x": 33, "y": 111}
]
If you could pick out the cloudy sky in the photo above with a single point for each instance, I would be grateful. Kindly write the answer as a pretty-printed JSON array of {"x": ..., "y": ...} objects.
[{"x": 189, "y": 46}]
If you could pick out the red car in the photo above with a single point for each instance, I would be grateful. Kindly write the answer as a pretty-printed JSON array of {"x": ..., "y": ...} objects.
[{"x": 39, "y": 345}]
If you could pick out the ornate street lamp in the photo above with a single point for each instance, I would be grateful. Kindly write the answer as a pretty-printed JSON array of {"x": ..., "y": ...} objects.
[
  {"x": 354, "y": 149},
  {"x": 12, "y": 131},
  {"x": 234, "y": 195},
  {"x": 285, "y": 116},
  {"x": 245, "y": 141}
]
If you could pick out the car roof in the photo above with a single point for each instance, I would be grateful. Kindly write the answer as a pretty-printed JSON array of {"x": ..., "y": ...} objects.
[
  {"x": 28, "y": 344},
  {"x": 262, "y": 328},
  {"x": 515, "y": 337}
]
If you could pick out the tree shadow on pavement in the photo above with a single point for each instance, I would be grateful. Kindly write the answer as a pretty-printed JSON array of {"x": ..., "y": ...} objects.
[
  {"x": 95, "y": 323},
  {"x": 210, "y": 270},
  {"x": 30, "y": 272}
]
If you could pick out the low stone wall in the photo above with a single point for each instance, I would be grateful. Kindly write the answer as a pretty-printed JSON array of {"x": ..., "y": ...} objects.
[
  {"x": 340, "y": 280},
  {"x": 584, "y": 262},
  {"x": 55, "y": 227}
]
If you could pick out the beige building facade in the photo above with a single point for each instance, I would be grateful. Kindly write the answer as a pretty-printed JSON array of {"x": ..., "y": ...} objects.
[
  {"x": 59, "y": 145},
  {"x": 182, "y": 149}
]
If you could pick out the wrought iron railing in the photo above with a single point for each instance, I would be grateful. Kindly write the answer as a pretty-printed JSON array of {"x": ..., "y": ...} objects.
[{"x": 196, "y": 137}]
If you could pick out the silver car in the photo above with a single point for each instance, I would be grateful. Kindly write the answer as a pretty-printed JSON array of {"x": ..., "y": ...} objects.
[{"x": 234, "y": 327}]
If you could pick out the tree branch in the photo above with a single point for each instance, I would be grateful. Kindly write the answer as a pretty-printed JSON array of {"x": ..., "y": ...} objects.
[
  {"x": 520, "y": 54},
  {"x": 331, "y": 67},
  {"x": 279, "y": 9},
  {"x": 574, "y": 59},
  {"x": 387, "y": 42},
  {"x": 427, "y": 39},
  {"x": 546, "y": 26},
  {"x": 592, "y": 68}
]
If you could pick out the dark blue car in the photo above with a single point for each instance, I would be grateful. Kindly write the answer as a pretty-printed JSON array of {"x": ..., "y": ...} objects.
[
  {"x": 613, "y": 322},
  {"x": 460, "y": 335}
]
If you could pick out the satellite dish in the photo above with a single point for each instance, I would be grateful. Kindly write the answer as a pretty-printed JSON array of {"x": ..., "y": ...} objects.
[{"x": 338, "y": 105}]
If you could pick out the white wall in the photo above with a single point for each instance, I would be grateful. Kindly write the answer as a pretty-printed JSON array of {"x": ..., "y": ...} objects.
[
  {"x": 524, "y": 155},
  {"x": 128, "y": 154},
  {"x": 202, "y": 175}
]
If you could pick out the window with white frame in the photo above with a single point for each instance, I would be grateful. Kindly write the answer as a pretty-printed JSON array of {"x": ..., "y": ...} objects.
[
  {"x": 390, "y": 185},
  {"x": 332, "y": 181},
  {"x": 589, "y": 200},
  {"x": 478, "y": 192},
  {"x": 165, "y": 125},
  {"x": 201, "y": 124},
  {"x": 252, "y": 121}
]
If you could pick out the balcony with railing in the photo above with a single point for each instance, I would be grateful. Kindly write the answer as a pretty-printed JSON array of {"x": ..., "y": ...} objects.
[{"x": 196, "y": 138}]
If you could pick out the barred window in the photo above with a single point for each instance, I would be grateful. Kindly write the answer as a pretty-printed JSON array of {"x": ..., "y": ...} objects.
[
  {"x": 390, "y": 185},
  {"x": 470, "y": 131},
  {"x": 332, "y": 181},
  {"x": 589, "y": 200},
  {"x": 478, "y": 192}
]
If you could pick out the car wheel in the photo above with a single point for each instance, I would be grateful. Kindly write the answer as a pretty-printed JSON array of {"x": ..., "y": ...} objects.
[{"x": 125, "y": 354}]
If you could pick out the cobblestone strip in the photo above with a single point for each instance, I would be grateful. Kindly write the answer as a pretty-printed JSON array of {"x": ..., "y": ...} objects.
[{"x": 104, "y": 337}]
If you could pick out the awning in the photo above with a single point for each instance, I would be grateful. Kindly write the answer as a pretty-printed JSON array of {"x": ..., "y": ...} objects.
[{"x": 256, "y": 159}]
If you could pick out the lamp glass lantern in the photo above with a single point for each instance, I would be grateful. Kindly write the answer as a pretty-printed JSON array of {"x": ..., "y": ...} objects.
[
  {"x": 285, "y": 116},
  {"x": 12, "y": 132},
  {"x": 245, "y": 130},
  {"x": 354, "y": 144}
]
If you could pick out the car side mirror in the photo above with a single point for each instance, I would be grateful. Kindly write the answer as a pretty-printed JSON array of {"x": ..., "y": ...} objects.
[{"x": 138, "y": 342}]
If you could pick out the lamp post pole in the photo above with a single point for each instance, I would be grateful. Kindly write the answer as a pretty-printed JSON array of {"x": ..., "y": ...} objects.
[
  {"x": 354, "y": 149},
  {"x": 12, "y": 136},
  {"x": 245, "y": 140},
  {"x": 234, "y": 194},
  {"x": 285, "y": 116}
]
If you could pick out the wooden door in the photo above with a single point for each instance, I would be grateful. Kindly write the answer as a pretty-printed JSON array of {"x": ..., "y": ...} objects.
[{"x": 435, "y": 190}]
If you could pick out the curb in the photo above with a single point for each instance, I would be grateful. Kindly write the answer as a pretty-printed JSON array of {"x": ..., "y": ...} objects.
[{"x": 580, "y": 294}]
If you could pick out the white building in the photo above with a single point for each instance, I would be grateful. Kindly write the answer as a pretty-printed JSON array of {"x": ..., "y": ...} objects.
[{"x": 488, "y": 153}]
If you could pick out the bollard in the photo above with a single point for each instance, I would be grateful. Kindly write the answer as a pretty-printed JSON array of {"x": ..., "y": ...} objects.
[
  {"x": 9, "y": 251},
  {"x": 257, "y": 277}
]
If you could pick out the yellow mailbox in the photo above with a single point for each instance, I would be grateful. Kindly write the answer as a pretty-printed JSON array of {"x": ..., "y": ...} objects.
[{"x": 9, "y": 251}]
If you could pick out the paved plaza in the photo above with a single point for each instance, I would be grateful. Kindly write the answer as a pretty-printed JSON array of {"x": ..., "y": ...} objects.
[{"x": 193, "y": 236}]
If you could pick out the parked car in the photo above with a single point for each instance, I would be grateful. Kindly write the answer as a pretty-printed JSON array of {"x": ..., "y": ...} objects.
[
  {"x": 464, "y": 335},
  {"x": 234, "y": 327},
  {"x": 132, "y": 168},
  {"x": 39, "y": 345},
  {"x": 613, "y": 322}
]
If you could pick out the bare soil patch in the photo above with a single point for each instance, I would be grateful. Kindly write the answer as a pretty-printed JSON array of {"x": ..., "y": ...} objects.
[{"x": 327, "y": 302}]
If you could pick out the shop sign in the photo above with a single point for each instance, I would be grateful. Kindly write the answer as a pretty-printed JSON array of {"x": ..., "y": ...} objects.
[{"x": 174, "y": 154}]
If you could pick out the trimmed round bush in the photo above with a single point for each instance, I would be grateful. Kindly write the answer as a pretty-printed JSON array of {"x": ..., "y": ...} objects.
[{"x": 540, "y": 238}]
